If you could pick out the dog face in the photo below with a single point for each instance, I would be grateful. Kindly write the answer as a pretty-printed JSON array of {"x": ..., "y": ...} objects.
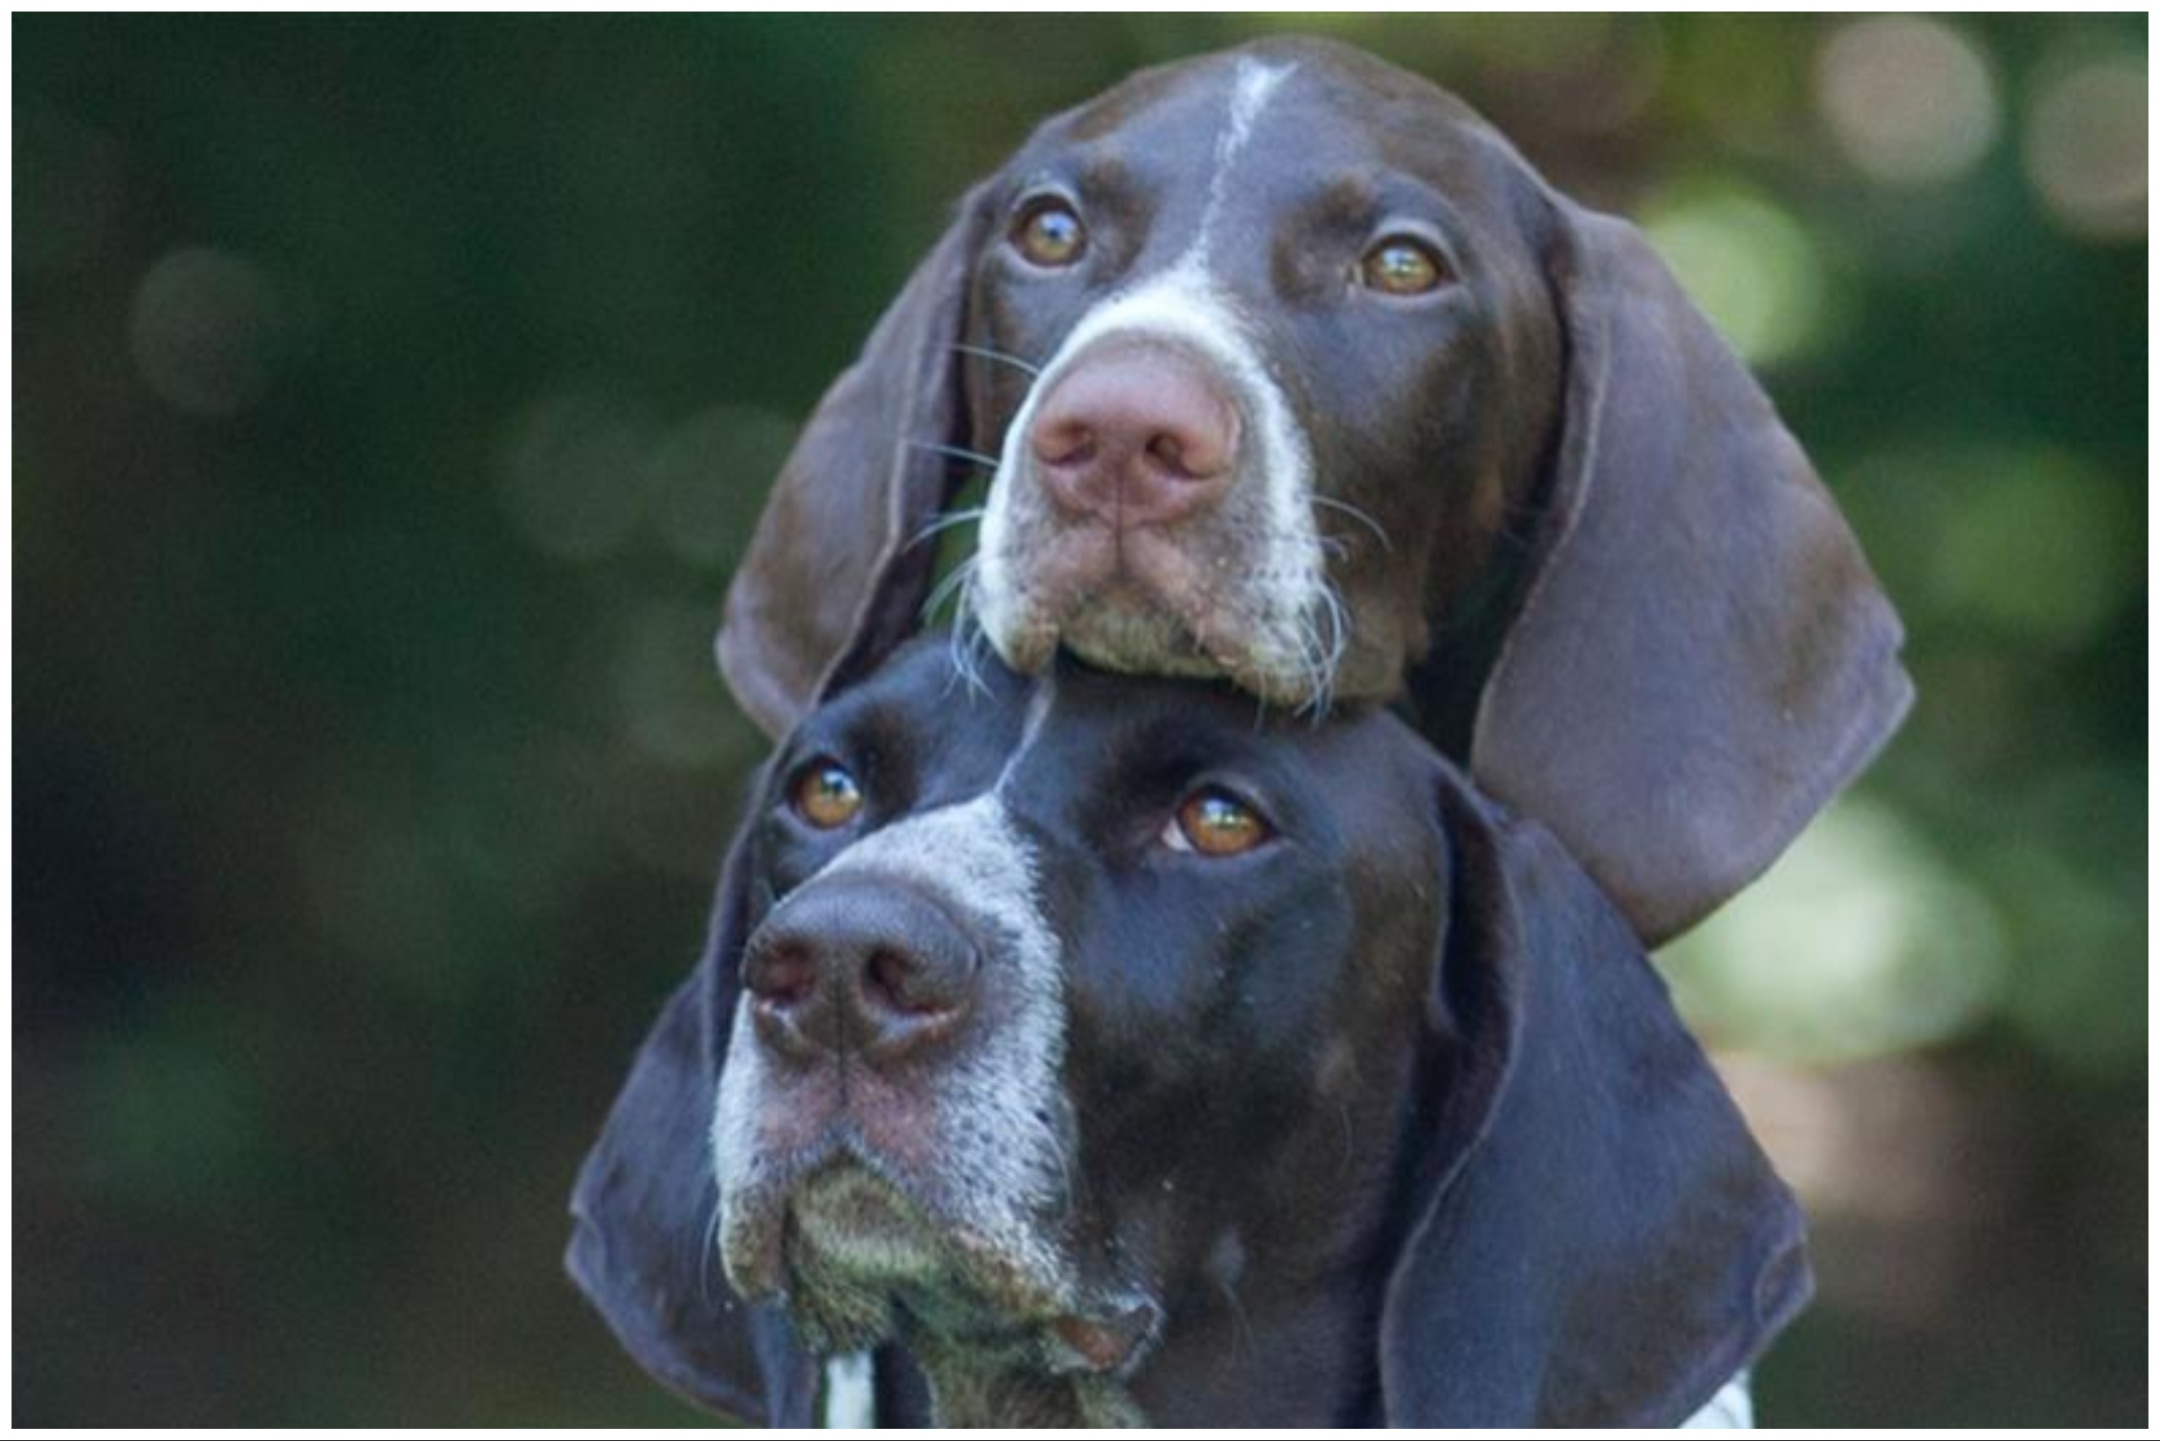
[
  {"x": 1295, "y": 361},
  {"x": 1045, "y": 1026},
  {"x": 1122, "y": 1058},
  {"x": 1291, "y": 371}
]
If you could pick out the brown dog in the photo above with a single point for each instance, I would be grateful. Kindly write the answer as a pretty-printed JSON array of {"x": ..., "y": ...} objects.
[{"x": 1294, "y": 372}]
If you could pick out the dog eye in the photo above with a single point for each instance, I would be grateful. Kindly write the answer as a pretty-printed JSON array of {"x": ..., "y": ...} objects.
[
  {"x": 1403, "y": 265},
  {"x": 1049, "y": 233},
  {"x": 825, "y": 795},
  {"x": 1214, "y": 822}
]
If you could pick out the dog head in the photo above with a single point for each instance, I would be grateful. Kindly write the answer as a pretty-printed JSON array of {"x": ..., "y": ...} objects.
[
  {"x": 1117, "y": 1055},
  {"x": 1291, "y": 370},
  {"x": 1296, "y": 363}
]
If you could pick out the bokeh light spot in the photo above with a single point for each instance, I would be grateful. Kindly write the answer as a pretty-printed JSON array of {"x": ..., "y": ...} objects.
[
  {"x": 573, "y": 474},
  {"x": 1859, "y": 942},
  {"x": 205, "y": 331},
  {"x": 669, "y": 704},
  {"x": 707, "y": 475},
  {"x": 1909, "y": 101},
  {"x": 2086, "y": 146},
  {"x": 173, "y": 1116},
  {"x": 2035, "y": 547},
  {"x": 1749, "y": 264}
]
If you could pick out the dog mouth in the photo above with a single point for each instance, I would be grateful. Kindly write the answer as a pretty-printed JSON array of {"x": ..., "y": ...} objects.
[
  {"x": 860, "y": 1256},
  {"x": 1159, "y": 602}
]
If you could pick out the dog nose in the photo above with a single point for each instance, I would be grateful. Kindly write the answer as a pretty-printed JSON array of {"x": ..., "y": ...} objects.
[
  {"x": 1135, "y": 435},
  {"x": 874, "y": 971}
]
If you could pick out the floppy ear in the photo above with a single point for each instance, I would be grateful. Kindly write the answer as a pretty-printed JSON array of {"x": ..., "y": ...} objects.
[
  {"x": 833, "y": 575},
  {"x": 643, "y": 1247},
  {"x": 1595, "y": 1238},
  {"x": 1703, "y": 658}
]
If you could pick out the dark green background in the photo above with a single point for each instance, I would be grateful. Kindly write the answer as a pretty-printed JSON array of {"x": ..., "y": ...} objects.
[{"x": 392, "y": 398}]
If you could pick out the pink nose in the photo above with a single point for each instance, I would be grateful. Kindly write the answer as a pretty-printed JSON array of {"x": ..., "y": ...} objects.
[{"x": 1136, "y": 435}]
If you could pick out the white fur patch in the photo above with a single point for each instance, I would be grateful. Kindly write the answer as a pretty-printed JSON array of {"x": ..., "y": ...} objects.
[
  {"x": 850, "y": 1400},
  {"x": 1183, "y": 309},
  {"x": 1732, "y": 1409},
  {"x": 1255, "y": 86},
  {"x": 1001, "y": 1158}
]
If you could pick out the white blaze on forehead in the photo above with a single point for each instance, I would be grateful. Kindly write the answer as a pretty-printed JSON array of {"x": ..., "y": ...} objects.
[
  {"x": 1256, "y": 82},
  {"x": 1249, "y": 94}
]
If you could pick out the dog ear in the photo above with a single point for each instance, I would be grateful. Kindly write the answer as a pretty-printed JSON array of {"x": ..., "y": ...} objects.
[
  {"x": 1595, "y": 1239},
  {"x": 643, "y": 1247},
  {"x": 834, "y": 576},
  {"x": 1703, "y": 657}
]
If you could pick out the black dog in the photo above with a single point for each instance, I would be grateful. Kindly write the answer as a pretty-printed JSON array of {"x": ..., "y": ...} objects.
[
  {"x": 1110, "y": 1054},
  {"x": 1293, "y": 371}
]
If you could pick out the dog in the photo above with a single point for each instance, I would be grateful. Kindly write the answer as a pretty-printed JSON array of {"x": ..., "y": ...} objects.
[
  {"x": 1288, "y": 368},
  {"x": 1103, "y": 1050}
]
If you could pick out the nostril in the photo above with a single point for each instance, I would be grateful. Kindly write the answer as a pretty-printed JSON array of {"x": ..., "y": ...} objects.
[
  {"x": 1202, "y": 446},
  {"x": 1068, "y": 443},
  {"x": 1169, "y": 451},
  {"x": 886, "y": 977},
  {"x": 894, "y": 982},
  {"x": 783, "y": 976}
]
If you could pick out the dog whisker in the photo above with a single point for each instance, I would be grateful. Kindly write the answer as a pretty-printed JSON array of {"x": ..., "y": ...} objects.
[
  {"x": 955, "y": 452},
  {"x": 944, "y": 523},
  {"x": 1068, "y": 1188},
  {"x": 1379, "y": 531},
  {"x": 1322, "y": 661},
  {"x": 708, "y": 1255},
  {"x": 968, "y": 639},
  {"x": 1001, "y": 357},
  {"x": 954, "y": 583},
  {"x": 1334, "y": 546},
  {"x": 974, "y": 649},
  {"x": 1224, "y": 1269}
]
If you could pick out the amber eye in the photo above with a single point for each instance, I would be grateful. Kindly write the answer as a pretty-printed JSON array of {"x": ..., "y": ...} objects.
[
  {"x": 1215, "y": 823},
  {"x": 1049, "y": 233},
  {"x": 825, "y": 795},
  {"x": 1403, "y": 265}
]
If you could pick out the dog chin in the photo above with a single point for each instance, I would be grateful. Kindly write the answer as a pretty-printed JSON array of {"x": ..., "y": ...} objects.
[
  {"x": 1124, "y": 630},
  {"x": 851, "y": 1247},
  {"x": 1155, "y": 615},
  {"x": 858, "y": 1260}
]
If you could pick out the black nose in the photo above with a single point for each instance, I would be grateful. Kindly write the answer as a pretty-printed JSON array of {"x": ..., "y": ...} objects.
[{"x": 859, "y": 968}]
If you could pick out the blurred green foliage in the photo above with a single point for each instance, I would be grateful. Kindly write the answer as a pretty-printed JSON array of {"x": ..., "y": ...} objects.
[{"x": 392, "y": 398}]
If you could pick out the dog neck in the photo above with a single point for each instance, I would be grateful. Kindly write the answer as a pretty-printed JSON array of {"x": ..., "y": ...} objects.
[
  {"x": 1266, "y": 1355},
  {"x": 971, "y": 1387}
]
